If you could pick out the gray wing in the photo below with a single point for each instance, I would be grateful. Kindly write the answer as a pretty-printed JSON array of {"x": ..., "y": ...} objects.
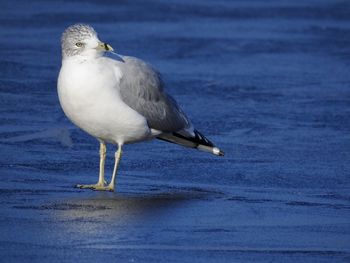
[{"x": 142, "y": 89}]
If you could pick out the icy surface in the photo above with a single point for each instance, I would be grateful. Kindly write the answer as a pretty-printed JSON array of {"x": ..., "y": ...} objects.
[{"x": 268, "y": 81}]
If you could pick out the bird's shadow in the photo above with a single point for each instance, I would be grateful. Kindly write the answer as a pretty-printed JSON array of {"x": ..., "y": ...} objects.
[{"x": 111, "y": 206}]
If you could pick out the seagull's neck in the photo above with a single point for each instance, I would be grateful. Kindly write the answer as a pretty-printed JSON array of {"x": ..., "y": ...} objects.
[
  {"x": 84, "y": 57},
  {"x": 79, "y": 59}
]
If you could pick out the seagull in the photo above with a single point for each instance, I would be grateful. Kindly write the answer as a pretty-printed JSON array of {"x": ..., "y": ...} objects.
[{"x": 118, "y": 100}]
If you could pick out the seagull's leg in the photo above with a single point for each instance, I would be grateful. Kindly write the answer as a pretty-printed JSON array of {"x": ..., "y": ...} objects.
[
  {"x": 101, "y": 178},
  {"x": 118, "y": 155}
]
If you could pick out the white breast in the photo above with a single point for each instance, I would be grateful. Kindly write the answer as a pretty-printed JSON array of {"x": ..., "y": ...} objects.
[{"x": 89, "y": 95}]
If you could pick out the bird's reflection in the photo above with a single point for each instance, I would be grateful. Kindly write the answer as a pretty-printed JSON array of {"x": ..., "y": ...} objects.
[{"x": 103, "y": 214}]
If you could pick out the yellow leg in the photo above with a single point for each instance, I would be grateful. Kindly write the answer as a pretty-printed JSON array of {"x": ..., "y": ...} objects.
[
  {"x": 100, "y": 185},
  {"x": 101, "y": 177},
  {"x": 118, "y": 155}
]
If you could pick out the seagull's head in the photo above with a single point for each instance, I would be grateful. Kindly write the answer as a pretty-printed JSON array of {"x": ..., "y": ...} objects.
[{"x": 82, "y": 40}]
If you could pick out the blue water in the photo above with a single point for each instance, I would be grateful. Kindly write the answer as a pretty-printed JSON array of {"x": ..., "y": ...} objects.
[{"x": 267, "y": 81}]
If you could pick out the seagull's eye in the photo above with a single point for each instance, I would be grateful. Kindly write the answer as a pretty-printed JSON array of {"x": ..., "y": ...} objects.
[{"x": 79, "y": 44}]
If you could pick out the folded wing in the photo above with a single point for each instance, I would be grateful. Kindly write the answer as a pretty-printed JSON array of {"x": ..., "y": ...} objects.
[{"x": 142, "y": 89}]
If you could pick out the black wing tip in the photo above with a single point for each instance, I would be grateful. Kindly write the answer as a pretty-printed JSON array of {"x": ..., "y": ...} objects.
[
  {"x": 201, "y": 139},
  {"x": 220, "y": 153},
  {"x": 198, "y": 141},
  {"x": 214, "y": 150}
]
